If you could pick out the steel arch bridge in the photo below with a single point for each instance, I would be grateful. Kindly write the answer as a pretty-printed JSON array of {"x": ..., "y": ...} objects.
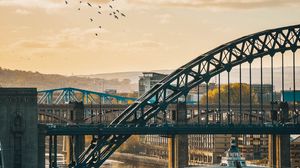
[
  {"x": 65, "y": 95},
  {"x": 176, "y": 86}
]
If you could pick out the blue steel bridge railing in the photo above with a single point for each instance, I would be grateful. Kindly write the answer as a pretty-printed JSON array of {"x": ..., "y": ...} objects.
[{"x": 65, "y": 95}]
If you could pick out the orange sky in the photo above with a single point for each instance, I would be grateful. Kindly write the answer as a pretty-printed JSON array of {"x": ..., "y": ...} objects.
[{"x": 50, "y": 37}]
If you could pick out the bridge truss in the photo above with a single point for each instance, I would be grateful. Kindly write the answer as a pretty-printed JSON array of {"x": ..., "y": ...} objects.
[
  {"x": 201, "y": 70},
  {"x": 66, "y": 95}
]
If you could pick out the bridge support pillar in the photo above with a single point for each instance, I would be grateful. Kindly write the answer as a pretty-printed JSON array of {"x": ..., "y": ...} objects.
[
  {"x": 69, "y": 149},
  {"x": 171, "y": 151},
  {"x": 75, "y": 144},
  {"x": 283, "y": 151},
  {"x": 79, "y": 146},
  {"x": 279, "y": 146},
  {"x": 279, "y": 151},
  {"x": 272, "y": 151},
  {"x": 178, "y": 144},
  {"x": 41, "y": 147}
]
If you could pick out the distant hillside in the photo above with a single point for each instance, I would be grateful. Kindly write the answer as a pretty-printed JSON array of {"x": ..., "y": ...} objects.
[
  {"x": 134, "y": 76},
  {"x": 127, "y": 81},
  {"x": 17, "y": 78}
]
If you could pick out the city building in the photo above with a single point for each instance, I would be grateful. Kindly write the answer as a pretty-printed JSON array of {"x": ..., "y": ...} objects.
[
  {"x": 208, "y": 149},
  {"x": 111, "y": 91},
  {"x": 253, "y": 147},
  {"x": 266, "y": 88},
  {"x": 266, "y": 93},
  {"x": 288, "y": 96},
  {"x": 193, "y": 93},
  {"x": 295, "y": 152},
  {"x": 155, "y": 145},
  {"x": 202, "y": 148},
  {"x": 148, "y": 80}
]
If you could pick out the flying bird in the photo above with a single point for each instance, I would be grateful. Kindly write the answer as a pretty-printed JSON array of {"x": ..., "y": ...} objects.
[{"x": 114, "y": 12}]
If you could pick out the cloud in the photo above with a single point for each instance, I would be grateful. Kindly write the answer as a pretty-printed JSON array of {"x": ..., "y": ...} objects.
[
  {"x": 31, "y": 44},
  {"x": 164, "y": 18},
  {"x": 237, "y": 4},
  {"x": 45, "y": 4},
  {"x": 145, "y": 44},
  {"x": 99, "y": 2},
  {"x": 22, "y": 12},
  {"x": 66, "y": 38}
]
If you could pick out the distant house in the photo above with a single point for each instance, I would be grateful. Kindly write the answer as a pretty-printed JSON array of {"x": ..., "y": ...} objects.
[
  {"x": 264, "y": 92},
  {"x": 111, "y": 91},
  {"x": 148, "y": 80}
]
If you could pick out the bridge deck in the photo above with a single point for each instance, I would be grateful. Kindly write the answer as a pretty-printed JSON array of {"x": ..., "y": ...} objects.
[{"x": 169, "y": 130}]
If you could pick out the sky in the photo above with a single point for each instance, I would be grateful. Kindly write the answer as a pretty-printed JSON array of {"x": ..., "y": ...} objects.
[{"x": 49, "y": 36}]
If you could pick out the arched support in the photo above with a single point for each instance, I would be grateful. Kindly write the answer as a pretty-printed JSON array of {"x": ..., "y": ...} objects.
[{"x": 188, "y": 76}]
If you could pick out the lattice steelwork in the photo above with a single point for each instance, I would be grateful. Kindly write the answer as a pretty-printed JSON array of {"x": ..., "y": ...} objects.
[
  {"x": 65, "y": 95},
  {"x": 177, "y": 85}
]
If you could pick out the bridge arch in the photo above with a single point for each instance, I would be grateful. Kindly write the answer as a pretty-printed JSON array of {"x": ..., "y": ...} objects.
[{"x": 188, "y": 76}]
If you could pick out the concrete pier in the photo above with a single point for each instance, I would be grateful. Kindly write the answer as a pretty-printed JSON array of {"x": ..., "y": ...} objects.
[
  {"x": 74, "y": 145},
  {"x": 178, "y": 144},
  {"x": 41, "y": 147},
  {"x": 279, "y": 145},
  {"x": 78, "y": 117},
  {"x": 279, "y": 151}
]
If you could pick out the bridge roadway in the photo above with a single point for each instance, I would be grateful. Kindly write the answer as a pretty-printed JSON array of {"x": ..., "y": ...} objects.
[
  {"x": 99, "y": 129},
  {"x": 107, "y": 112}
]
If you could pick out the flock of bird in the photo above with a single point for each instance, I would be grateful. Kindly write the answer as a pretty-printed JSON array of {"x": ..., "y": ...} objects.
[{"x": 112, "y": 11}]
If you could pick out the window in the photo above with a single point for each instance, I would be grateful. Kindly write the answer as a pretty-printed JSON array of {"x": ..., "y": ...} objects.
[{"x": 247, "y": 142}]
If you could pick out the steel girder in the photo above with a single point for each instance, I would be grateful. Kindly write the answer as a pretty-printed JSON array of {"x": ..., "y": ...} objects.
[
  {"x": 65, "y": 95},
  {"x": 188, "y": 76},
  {"x": 73, "y": 130}
]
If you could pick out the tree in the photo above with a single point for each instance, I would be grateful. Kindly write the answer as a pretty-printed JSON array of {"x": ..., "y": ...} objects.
[{"x": 213, "y": 95}]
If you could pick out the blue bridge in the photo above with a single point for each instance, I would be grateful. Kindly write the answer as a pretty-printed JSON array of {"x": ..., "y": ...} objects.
[{"x": 66, "y": 95}]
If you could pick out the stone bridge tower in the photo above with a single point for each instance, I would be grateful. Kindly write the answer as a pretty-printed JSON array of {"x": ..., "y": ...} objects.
[{"x": 19, "y": 127}]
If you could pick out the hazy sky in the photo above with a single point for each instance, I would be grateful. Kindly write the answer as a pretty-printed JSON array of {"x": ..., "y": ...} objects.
[{"x": 51, "y": 37}]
